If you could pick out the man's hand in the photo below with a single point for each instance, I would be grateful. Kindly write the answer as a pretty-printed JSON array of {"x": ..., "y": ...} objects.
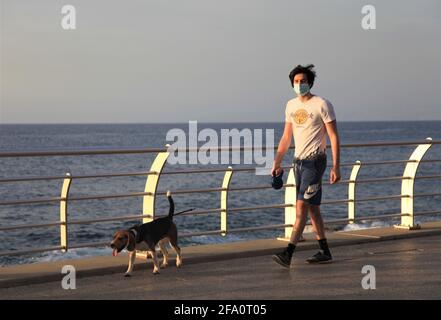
[
  {"x": 334, "y": 175},
  {"x": 276, "y": 169}
]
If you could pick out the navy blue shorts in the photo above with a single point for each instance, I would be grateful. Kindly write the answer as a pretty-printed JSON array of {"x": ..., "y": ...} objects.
[{"x": 308, "y": 175}]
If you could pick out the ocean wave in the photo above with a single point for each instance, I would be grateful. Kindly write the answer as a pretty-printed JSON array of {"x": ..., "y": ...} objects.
[
  {"x": 367, "y": 225},
  {"x": 81, "y": 253}
]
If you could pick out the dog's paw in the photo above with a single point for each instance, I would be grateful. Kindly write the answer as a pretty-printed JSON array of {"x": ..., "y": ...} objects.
[
  {"x": 155, "y": 272},
  {"x": 127, "y": 275},
  {"x": 168, "y": 193},
  {"x": 164, "y": 265}
]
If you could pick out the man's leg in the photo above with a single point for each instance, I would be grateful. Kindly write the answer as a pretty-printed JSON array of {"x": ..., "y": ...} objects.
[
  {"x": 284, "y": 258},
  {"x": 299, "y": 226},
  {"x": 317, "y": 222}
]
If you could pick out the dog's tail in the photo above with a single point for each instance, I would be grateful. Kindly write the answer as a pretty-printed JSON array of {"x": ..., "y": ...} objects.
[
  {"x": 172, "y": 205},
  {"x": 171, "y": 212}
]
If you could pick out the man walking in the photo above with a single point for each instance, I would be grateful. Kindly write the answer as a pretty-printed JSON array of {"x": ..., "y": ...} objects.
[{"x": 309, "y": 118}]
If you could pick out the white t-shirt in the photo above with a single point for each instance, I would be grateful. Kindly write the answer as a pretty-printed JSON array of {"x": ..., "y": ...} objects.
[{"x": 308, "y": 124}]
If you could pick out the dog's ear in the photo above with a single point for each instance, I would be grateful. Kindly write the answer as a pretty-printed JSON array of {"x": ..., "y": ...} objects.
[{"x": 131, "y": 242}]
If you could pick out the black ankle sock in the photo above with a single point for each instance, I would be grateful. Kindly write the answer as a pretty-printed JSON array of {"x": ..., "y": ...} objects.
[
  {"x": 291, "y": 247},
  {"x": 324, "y": 246}
]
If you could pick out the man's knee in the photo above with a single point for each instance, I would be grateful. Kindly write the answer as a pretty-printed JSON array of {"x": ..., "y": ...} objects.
[{"x": 302, "y": 208}]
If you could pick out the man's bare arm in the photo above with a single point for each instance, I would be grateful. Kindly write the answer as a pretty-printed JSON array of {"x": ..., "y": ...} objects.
[
  {"x": 283, "y": 147},
  {"x": 331, "y": 129}
]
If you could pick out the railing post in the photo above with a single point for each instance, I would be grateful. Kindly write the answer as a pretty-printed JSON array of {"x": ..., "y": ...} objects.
[
  {"x": 351, "y": 191},
  {"x": 224, "y": 200},
  {"x": 64, "y": 238},
  {"x": 290, "y": 199},
  {"x": 407, "y": 186},
  {"x": 151, "y": 185}
]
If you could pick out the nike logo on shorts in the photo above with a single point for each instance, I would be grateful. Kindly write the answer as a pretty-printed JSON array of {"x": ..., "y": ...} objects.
[{"x": 311, "y": 191}]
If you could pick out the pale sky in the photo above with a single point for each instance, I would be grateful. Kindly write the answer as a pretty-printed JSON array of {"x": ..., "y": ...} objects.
[{"x": 216, "y": 61}]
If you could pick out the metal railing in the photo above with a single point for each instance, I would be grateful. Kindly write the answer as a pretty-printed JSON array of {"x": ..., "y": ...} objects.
[{"x": 407, "y": 195}]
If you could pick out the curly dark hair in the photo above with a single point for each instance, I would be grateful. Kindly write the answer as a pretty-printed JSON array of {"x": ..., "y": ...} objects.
[{"x": 308, "y": 70}]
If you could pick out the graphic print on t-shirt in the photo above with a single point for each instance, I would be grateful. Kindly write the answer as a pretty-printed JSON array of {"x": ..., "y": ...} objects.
[{"x": 300, "y": 116}]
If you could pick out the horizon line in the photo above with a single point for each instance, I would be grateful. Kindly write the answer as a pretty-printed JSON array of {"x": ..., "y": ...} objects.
[{"x": 205, "y": 122}]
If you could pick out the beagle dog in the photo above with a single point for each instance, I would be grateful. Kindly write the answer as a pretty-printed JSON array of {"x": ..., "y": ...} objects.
[{"x": 146, "y": 236}]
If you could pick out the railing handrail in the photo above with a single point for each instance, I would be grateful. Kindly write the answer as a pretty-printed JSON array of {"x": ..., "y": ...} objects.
[
  {"x": 81, "y": 152},
  {"x": 198, "y": 212},
  {"x": 139, "y": 194},
  {"x": 202, "y": 190},
  {"x": 146, "y": 173}
]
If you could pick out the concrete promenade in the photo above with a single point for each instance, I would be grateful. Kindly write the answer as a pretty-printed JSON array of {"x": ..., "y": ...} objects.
[{"x": 407, "y": 265}]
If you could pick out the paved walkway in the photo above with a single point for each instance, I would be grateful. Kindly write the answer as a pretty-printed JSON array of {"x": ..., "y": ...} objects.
[{"x": 405, "y": 269}]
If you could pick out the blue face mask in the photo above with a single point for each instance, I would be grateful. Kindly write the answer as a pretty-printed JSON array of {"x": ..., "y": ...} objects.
[{"x": 301, "y": 89}]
